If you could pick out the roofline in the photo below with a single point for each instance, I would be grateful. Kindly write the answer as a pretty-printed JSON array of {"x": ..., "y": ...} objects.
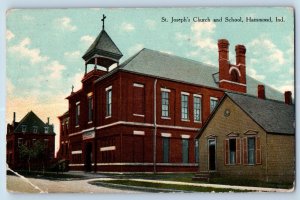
[
  {"x": 211, "y": 116},
  {"x": 287, "y": 134}
]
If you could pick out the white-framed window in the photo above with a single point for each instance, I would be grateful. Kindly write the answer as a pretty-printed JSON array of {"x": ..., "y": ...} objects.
[
  {"x": 77, "y": 113},
  {"x": 108, "y": 101},
  {"x": 165, "y": 102},
  {"x": 90, "y": 108},
  {"x": 185, "y": 150},
  {"x": 197, "y": 108},
  {"x": 20, "y": 141},
  {"x": 184, "y": 106},
  {"x": 24, "y": 127},
  {"x": 166, "y": 149},
  {"x": 232, "y": 150},
  {"x": 213, "y": 103},
  {"x": 46, "y": 129},
  {"x": 196, "y": 151},
  {"x": 35, "y": 129},
  {"x": 251, "y": 150}
]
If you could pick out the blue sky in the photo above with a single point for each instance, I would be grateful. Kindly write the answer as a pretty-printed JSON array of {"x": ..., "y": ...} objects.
[{"x": 44, "y": 47}]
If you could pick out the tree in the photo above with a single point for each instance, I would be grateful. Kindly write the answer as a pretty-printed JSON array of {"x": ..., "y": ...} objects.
[{"x": 36, "y": 151}]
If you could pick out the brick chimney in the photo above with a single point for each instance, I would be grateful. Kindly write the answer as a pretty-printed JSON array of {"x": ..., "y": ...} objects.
[
  {"x": 288, "y": 97},
  {"x": 223, "y": 45},
  {"x": 48, "y": 120},
  {"x": 261, "y": 92},
  {"x": 14, "y": 119},
  {"x": 240, "y": 57}
]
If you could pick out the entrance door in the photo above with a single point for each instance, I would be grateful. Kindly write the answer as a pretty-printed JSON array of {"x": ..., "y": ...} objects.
[
  {"x": 212, "y": 154},
  {"x": 88, "y": 157}
]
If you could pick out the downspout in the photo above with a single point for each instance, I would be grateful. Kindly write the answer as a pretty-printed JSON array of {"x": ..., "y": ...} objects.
[{"x": 155, "y": 127}]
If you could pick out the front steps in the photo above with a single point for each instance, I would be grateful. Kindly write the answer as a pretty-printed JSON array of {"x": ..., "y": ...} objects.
[{"x": 204, "y": 176}]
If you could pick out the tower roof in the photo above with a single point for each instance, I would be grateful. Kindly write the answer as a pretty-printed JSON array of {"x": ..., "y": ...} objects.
[{"x": 103, "y": 47}]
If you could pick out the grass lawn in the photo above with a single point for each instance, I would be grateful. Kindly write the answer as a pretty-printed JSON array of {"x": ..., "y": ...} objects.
[
  {"x": 47, "y": 175},
  {"x": 187, "y": 177},
  {"x": 157, "y": 187}
]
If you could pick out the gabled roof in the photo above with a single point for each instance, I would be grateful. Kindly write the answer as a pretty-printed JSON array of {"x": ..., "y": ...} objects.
[
  {"x": 163, "y": 65},
  {"x": 273, "y": 116},
  {"x": 32, "y": 120},
  {"x": 103, "y": 46}
]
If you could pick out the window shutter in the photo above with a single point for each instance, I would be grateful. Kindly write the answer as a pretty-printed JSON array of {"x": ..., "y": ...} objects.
[
  {"x": 238, "y": 151},
  {"x": 258, "y": 151},
  {"x": 226, "y": 151},
  {"x": 245, "y": 151}
]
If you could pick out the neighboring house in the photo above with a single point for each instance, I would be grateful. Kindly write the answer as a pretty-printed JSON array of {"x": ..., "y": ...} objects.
[
  {"x": 250, "y": 137},
  {"x": 26, "y": 132},
  {"x": 63, "y": 152},
  {"x": 144, "y": 114}
]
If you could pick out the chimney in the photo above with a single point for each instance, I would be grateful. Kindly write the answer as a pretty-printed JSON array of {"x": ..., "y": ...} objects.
[
  {"x": 14, "y": 119},
  {"x": 261, "y": 92},
  {"x": 240, "y": 53},
  {"x": 288, "y": 97},
  {"x": 223, "y": 45},
  {"x": 48, "y": 119}
]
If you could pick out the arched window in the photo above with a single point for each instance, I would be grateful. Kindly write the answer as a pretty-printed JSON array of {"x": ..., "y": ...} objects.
[{"x": 234, "y": 76}]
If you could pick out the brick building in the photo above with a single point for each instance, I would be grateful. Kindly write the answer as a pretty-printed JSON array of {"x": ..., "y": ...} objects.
[
  {"x": 28, "y": 131},
  {"x": 144, "y": 114},
  {"x": 249, "y": 136}
]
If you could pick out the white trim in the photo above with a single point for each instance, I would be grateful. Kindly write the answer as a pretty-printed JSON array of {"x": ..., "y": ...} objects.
[
  {"x": 77, "y": 126},
  {"x": 90, "y": 122},
  {"x": 135, "y": 124},
  {"x": 78, "y": 102},
  {"x": 138, "y": 115},
  {"x": 197, "y": 95},
  {"x": 165, "y": 117},
  {"x": 166, "y": 134},
  {"x": 165, "y": 90},
  {"x": 185, "y": 136},
  {"x": 108, "y": 88},
  {"x": 138, "y": 85},
  {"x": 223, "y": 80},
  {"x": 185, "y": 120},
  {"x": 213, "y": 98},
  {"x": 62, "y": 142},
  {"x": 185, "y": 93},
  {"x": 76, "y": 152},
  {"x": 149, "y": 164},
  {"x": 90, "y": 94},
  {"x": 108, "y": 148},
  {"x": 138, "y": 132},
  {"x": 76, "y": 165},
  {"x": 234, "y": 68},
  {"x": 109, "y": 116}
]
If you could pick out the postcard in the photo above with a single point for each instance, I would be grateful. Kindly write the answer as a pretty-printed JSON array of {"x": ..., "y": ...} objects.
[{"x": 133, "y": 100}]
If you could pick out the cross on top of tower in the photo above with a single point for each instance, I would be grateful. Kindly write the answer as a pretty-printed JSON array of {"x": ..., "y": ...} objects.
[{"x": 103, "y": 19}]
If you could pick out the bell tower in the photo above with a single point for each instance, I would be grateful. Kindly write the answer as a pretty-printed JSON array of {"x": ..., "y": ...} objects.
[{"x": 103, "y": 51}]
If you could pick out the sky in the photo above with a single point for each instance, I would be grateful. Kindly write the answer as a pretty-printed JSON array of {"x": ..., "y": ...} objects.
[{"x": 45, "y": 46}]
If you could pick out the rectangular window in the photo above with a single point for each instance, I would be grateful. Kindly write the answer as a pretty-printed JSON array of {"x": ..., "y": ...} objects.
[
  {"x": 77, "y": 114},
  {"x": 197, "y": 151},
  {"x": 251, "y": 150},
  {"x": 108, "y": 102},
  {"x": 90, "y": 108},
  {"x": 213, "y": 103},
  {"x": 35, "y": 129},
  {"x": 185, "y": 150},
  {"x": 138, "y": 99},
  {"x": 166, "y": 144},
  {"x": 46, "y": 129},
  {"x": 232, "y": 151},
  {"x": 197, "y": 108},
  {"x": 165, "y": 104},
  {"x": 23, "y": 128},
  {"x": 184, "y": 106}
]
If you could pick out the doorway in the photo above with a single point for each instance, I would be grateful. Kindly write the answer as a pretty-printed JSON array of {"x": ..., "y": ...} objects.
[
  {"x": 211, "y": 154},
  {"x": 88, "y": 157}
]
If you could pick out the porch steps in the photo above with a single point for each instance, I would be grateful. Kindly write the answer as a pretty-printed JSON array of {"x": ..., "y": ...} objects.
[{"x": 204, "y": 176}]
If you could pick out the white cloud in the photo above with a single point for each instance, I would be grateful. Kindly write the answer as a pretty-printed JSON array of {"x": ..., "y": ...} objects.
[
  {"x": 22, "y": 49},
  {"x": 76, "y": 81},
  {"x": 9, "y": 86},
  {"x": 203, "y": 35},
  {"x": 55, "y": 69},
  {"x": 252, "y": 72},
  {"x": 9, "y": 35},
  {"x": 65, "y": 23},
  {"x": 151, "y": 24},
  {"x": 264, "y": 50},
  {"x": 168, "y": 52},
  {"x": 134, "y": 49},
  {"x": 127, "y": 27},
  {"x": 72, "y": 55},
  {"x": 87, "y": 39}
]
